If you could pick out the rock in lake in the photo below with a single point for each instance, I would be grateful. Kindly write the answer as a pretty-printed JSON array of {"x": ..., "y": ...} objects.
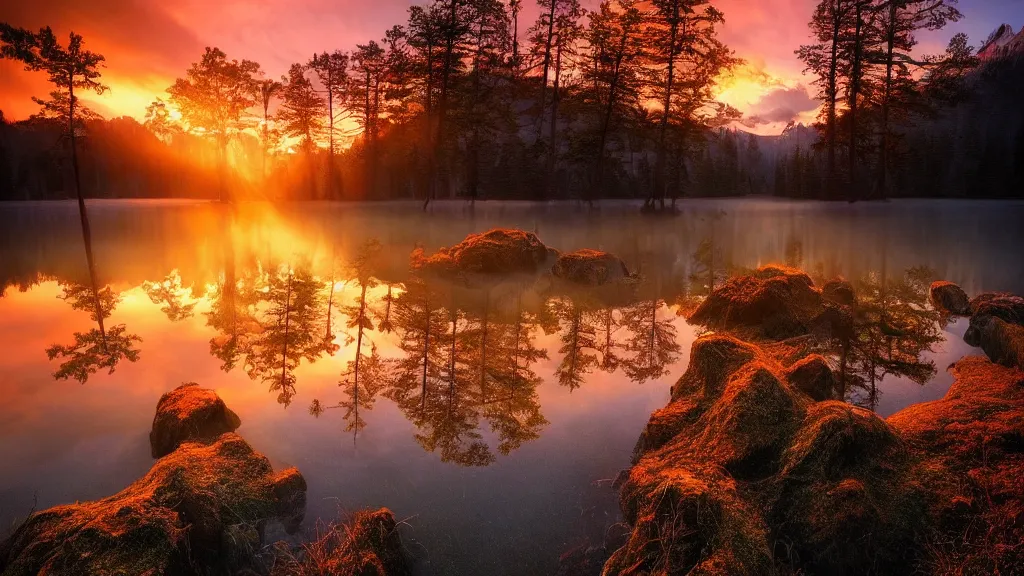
[
  {"x": 775, "y": 302},
  {"x": 590, "y": 268},
  {"x": 949, "y": 298},
  {"x": 187, "y": 511},
  {"x": 189, "y": 413},
  {"x": 497, "y": 251}
]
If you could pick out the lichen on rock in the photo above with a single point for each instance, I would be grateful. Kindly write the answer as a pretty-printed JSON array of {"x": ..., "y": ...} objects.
[
  {"x": 495, "y": 252},
  {"x": 590, "y": 268},
  {"x": 949, "y": 298},
  {"x": 775, "y": 301},
  {"x": 182, "y": 513},
  {"x": 189, "y": 413}
]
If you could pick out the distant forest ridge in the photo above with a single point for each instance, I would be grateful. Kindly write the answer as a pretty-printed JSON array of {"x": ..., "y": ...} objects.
[{"x": 465, "y": 101}]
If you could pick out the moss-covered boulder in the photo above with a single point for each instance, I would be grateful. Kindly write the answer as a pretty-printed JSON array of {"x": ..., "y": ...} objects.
[
  {"x": 839, "y": 291},
  {"x": 590, "y": 268},
  {"x": 814, "y": 377},
  {"x": 197, "y": 506},
  {"x": 1002, "y": 341},
  {"x": 368, "y": 544},
  {"x": 969, "y": 448},
  {"x": 495, "y": 252},
  {"x": 949, "y": 298},
  {"x": 189, "y": 413},
  {"x": 201, "y": 508},
  {"x": 1006, "y": 307},
  {"x": 775, "y": 302},
  {"x": 741, "y": 473}
]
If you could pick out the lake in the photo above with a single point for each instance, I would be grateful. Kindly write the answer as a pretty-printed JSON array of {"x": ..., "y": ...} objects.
[{"x": 490, "y": 416}]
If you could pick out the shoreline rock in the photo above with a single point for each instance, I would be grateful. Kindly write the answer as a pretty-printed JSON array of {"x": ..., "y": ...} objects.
[
  {"x": 203, "y": 507},
  {"x": 752, "y": 469},
  {"x": 949, "y": 298},
  {"x": 777, "y": 302},
  {"x": 189, "y": 413}
]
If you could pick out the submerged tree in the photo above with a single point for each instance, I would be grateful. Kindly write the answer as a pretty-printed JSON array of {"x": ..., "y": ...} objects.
[
  {"x": 687, "y": 58},
  {"x": 68, "y": 68}
]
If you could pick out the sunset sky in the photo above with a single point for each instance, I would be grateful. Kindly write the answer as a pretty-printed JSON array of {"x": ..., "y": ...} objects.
[{"x": 147, "y": 44}]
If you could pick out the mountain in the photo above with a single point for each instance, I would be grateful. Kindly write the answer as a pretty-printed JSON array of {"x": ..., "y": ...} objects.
[{"x": 1002, "y": 42}]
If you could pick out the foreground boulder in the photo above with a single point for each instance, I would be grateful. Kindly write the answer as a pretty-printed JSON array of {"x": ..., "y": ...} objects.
[
  {"x": 204, "y": 504},
  {"x": 590, "y": 268},
  {"x": 775, "y": 302},
  {"x": 189, "y": 413},
  {"x": 1002, "y": 341},
  {"x": 367, "y": 545},
  {"x": 497, "y": 251},
  {"x": 970, "y": 454},
  {"x": 949, "y": 298},
  {"x": 997, "y": 327},
  {"x": 741, "y": 473}
]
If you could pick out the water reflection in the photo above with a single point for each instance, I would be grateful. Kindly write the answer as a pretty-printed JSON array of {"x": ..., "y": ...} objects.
[
  {"x": 460, "y": 362},
  {"x": 98, "y": 348}
]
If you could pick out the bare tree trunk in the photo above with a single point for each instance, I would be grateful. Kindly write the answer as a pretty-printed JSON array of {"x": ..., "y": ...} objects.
[
  {"x": 83, "y": 215},
  {"x": 660, "y": 163}
]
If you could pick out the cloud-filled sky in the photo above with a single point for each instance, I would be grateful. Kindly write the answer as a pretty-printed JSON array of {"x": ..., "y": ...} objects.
[{"x": 147, "y": 43}]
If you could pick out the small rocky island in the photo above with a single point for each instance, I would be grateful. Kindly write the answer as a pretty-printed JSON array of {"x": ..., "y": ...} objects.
[{"x": 755, "y": 466}]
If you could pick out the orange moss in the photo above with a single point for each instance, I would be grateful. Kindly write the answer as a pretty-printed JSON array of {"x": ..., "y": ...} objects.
[
  {"x": 497, "y": 251},
  {"x": 749, "y": 472},
  {"x": 949, "y": 298},
  {"x": 780, "y": 302},
  {"x": 203, "y": 504},
  {"x": 367, "y": 545},
  {"x": 178, "y": 514},
  {"x": 189, "y": 413},
  {"x": 590, "y": 267}
]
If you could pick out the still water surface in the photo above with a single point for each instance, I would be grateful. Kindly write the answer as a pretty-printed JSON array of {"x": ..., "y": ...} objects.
[{"x": 491, "y": 417}]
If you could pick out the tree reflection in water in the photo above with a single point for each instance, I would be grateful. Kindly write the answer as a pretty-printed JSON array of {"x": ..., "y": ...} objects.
[
  {"x": 893, "y": 326},
  {"x": 175, "y": 301},
  {"x": 101, "y": 347},
  {"x": 459, "y": 359}
]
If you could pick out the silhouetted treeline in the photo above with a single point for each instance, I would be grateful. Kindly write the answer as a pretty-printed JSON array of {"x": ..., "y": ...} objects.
[
  {"x": 464, "y": 100},
  {"x": 970, "y": 148}
]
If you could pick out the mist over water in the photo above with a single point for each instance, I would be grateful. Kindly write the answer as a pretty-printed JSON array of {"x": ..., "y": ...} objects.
[{"x": 535, "y": 399}]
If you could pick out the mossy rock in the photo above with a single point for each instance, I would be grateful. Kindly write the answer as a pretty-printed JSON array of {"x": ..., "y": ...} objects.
[{"x": 777, "y": 301}]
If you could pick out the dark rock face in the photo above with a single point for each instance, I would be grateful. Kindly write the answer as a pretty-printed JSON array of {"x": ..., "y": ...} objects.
[
  {"x": 997, "y": 327},
  {"x": 189, "y": 413},
  {"x": 814, "y": 377},
  {"x": 1006, "y": 307},
  {"x": 839, "y": 291},
  {"x": 198, "y": 504},
  {"x": 367, "y": 545},
  {"x": 949, "y": 298},
  {"x": 776, "y": 302},
  {"x": 739, "y": 460},
  {"x": 1002, "y": 341},
  {"x": 590, "y": 268},
  {"x": 498, "y": 251}
]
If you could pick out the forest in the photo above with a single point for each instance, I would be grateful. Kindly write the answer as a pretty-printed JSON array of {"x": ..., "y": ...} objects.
[{"x": 466, "y": 101}]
